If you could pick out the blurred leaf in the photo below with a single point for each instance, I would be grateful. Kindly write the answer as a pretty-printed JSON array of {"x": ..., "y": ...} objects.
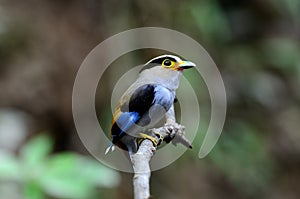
[
  {"x": 67, "y": 186},
  {"x": 64, "y": 175},
  {"x": 63, "y": 179},
  {"x": 36, "y": 150},
  {"x": 33, "y": 191},
  {"x": 97, "y": 173},
  {"x": 72, "y": 176},
  {"x": 9, "y": 166}
]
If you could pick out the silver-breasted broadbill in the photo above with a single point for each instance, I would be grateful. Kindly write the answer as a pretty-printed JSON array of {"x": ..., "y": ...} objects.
[{"x": 149, "y": 99}]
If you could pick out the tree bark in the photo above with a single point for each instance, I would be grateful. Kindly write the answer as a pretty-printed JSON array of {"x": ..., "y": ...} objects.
[{"x": 140, "y": 160}]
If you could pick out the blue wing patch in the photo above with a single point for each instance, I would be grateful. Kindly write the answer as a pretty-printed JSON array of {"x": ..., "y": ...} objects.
[{"x": 123, "y": 123}]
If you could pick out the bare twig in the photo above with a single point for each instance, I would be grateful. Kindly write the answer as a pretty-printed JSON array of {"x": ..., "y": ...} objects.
[{"x": 140, "y": 160}]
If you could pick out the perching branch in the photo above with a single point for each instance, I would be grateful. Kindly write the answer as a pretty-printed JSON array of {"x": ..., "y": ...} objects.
[
  {"x": 170, "y": 132},
  {"x": 140, "y": 163}
]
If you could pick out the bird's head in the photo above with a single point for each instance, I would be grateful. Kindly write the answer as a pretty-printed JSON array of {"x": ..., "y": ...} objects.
[
  {"x": 169, "y": 62},
  {"x": 165, "y": 70}
]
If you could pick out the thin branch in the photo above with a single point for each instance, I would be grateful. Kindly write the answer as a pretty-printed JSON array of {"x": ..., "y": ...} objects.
[
  {"x": 171, "y": 132},
  {"x": 140, "y": 163}
]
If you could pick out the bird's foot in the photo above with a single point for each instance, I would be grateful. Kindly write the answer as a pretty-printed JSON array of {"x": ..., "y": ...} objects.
[
  {"x": 152, "y": 139},
  {"x": 160, "y": 137}
]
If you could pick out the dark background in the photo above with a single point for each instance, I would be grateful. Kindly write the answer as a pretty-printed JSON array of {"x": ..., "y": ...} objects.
[{"x": 254, "y": 43}]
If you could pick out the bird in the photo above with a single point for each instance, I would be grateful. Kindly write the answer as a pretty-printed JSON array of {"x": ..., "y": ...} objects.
[{"x": 149, "y": 99}]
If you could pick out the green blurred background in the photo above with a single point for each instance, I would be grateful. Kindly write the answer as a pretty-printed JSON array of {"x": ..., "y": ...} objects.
[{"x": 255, "y": 44}]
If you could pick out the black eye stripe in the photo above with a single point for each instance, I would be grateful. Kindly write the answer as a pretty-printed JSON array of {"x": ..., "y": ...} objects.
[
  {"x": 161, "y": 59},
  {"x": 157, "y": 61}
]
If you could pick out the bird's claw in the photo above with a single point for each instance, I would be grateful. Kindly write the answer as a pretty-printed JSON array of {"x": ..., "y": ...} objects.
[
  {"x": 152, "y": 139},
  {"x": 160, "y": 137}
]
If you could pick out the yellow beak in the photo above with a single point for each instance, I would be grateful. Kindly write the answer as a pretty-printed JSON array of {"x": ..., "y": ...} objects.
[{"x": 185, "y": 65}]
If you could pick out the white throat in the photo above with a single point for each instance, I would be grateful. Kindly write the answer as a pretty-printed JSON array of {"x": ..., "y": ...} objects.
[{"x": 158, "y": 75}]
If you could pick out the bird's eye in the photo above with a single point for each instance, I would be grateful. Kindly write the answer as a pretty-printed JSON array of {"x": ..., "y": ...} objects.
[{"x": 167, "y": 63}]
